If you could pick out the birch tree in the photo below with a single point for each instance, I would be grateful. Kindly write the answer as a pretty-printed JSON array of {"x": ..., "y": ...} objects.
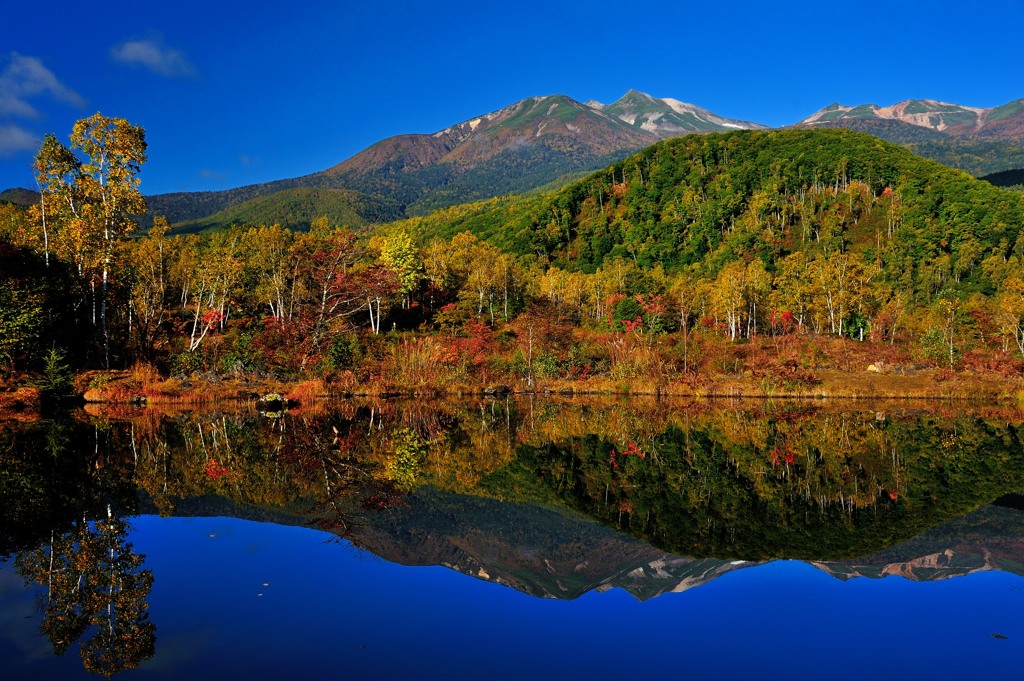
[{"x": 91, "y": 190}]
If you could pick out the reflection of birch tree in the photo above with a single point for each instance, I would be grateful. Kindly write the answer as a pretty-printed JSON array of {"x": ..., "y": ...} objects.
[{"x": 94, "y": 584}]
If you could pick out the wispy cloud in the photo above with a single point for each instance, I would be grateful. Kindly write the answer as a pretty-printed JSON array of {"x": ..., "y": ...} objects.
[
  {"x": 153, "y": 55},
  {"x": 15, "y": 139},
  {"x": 208, "y": 174},
  {"x": 24, "y": 78}
]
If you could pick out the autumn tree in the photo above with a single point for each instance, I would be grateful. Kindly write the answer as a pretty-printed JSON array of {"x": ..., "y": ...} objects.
[
  {"x": 333, "y": 288},
  {"x": 56, "y": 168},
  {"x": 728, "y": 297},
  {"x": 93, "y": 196},
  {"x": 1010, "y": 315},
  {"x": 793, "y": 290},
  {"x": 208, "y": 274},
  {"x": 150, "y": 263},
  {"x": 399, "y": 254},
  {"x": 271, "y": 269}
]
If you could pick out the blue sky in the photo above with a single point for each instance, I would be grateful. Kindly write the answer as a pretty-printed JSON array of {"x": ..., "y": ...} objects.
[{"x": 234, "y": 94}]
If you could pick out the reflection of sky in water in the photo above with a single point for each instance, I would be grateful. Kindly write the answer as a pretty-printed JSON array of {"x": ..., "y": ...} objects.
[
  {"x": 236, "y": 599},
  {"x": 24, "y": 652},
  {"x": 19, "y": 618}
]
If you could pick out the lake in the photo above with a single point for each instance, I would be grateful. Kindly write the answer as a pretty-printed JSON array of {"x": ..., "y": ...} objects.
[{"x": 522, "y": 538}]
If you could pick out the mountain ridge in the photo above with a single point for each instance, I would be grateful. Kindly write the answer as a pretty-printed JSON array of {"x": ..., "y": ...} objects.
[
  {"x": 538, "y": 140},
  {"x": 945, "y": 117},
  {"x": 524, "y": 145}
]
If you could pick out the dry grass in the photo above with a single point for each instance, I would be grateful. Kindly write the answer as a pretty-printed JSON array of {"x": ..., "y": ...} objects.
[
  {"x": 19, "y": 404},
  {"x": 307, "y": 391},
  {"x": 792, "y": 366},
  {"x": 143, "y": 385}
]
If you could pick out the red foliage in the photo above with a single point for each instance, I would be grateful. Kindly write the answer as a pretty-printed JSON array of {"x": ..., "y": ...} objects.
[
  {"x": 780, "y": 455},
  {"x": 215, "y": 470},
  {"x": 782, "y": 322},
  {"x": 655, "y": 305},
  {"x": 632, "y": 449},
  {"x": 476, "y": 346},
  {"x": 212, "y": 318},
  {"x": 995, "y": 362}
]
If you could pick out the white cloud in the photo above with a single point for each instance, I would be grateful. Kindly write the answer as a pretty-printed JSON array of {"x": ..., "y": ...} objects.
[
  {"x": 152, "y": 55},
  {"x": 24, "y": 78},
  {"x": 14, "y": 139}
]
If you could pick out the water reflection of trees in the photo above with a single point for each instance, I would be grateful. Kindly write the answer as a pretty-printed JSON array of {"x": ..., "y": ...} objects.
[
  {"x": 65, "y": 488},
  {"x": 791, "y": 480},
  {"x": 693, "y": 478},
  {"x": 96, "y": 590}
]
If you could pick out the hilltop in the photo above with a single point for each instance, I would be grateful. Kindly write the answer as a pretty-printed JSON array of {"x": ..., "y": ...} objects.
[{"x": 702, "y": 201}]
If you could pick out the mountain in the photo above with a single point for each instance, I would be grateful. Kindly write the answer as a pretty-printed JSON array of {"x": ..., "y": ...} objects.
[
  {"x": 539, "y": 550},
  {"x": 554, "y": 553},
  {"x": 544, "y": 142},
  {"x": 973, "y": 154},
  {"x": 925, "y": 113},
  {"x": 19, "y": 197},
  {"x": 978, "y": 141},
  {"x": 990, "y": 538},
  {"x": 513, "y": 150},
  {"x": 527, "y": 145},
  {"x": 1006, "y": 121},
  {"x": 668, "y": 117}
]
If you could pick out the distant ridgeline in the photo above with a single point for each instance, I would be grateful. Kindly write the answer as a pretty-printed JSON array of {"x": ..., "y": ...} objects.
[
  {"x": 380, "y": 195},
  {"x": 545, "y": 142},
  {"x": 297, "y": 209},
  {"x": 1007, "y": 178}
]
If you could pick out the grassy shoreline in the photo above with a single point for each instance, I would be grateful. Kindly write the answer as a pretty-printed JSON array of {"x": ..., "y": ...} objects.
[
  {"x": 143, "y": 386},
  {"x": 937, "y": 384}
]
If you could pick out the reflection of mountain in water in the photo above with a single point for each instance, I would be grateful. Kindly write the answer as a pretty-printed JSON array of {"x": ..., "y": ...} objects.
[
  {"x": 608, "y": 495},
  {"x": 991, "y": 538},
  {"x": 538, "y": 550},
  {"x": 555, "y": 554}
]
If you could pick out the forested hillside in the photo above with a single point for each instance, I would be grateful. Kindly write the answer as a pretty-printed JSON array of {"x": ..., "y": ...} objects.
[
  {"x": 696, "y": 204},
  {"x": 296, "y": 209}
]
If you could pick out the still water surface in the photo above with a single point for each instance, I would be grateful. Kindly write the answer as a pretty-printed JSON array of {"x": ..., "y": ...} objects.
[{"x": 512, "y": 541}]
